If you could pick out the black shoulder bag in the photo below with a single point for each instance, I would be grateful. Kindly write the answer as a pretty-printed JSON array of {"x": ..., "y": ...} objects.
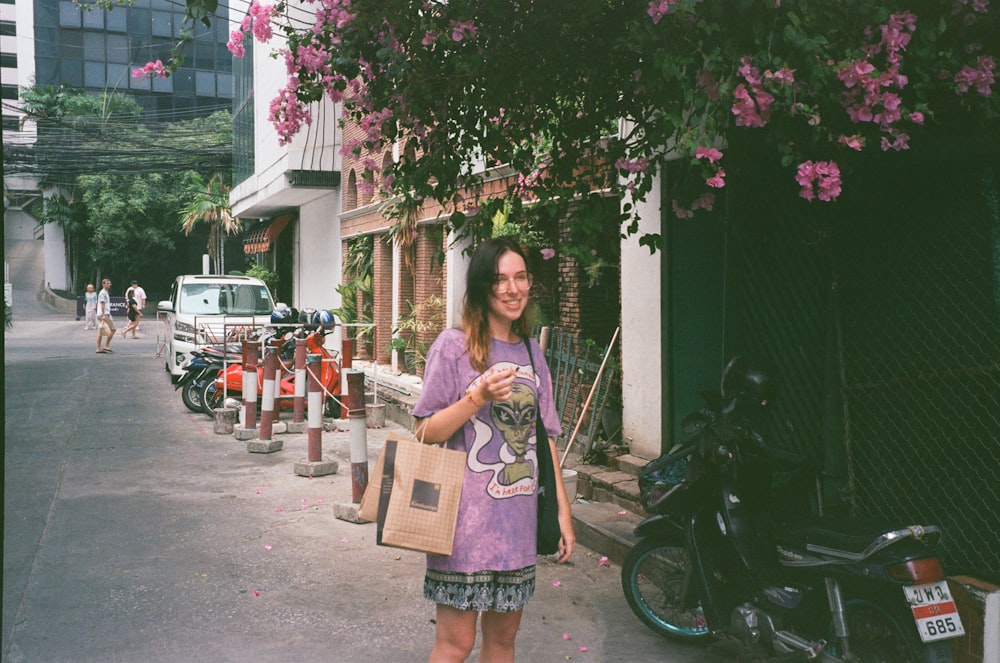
[{"x": 548, "y": 507}]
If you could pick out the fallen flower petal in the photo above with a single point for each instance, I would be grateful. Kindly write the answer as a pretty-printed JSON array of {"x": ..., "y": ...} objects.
[
  {"x": 267, "y": 546},
  {"x": 604, "y": 561},
  {"x": 256, "y": 592},
  {"x": 583, "y": 648},
  {"x": 279, "y": 509},
  {"x": 565, "y": 636},
  {"x": 260, "y": 492},
  {"x": 557, "y": 583},
  {"x": 623, "y": 512}
]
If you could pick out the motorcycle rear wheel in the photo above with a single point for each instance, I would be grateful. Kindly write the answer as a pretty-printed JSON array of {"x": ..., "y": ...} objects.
[
  {"x": 211, "y": 398},
  {"x": 191, "y": 395},
  {"x": 878, "y": 635},
  {"x": 653, "y": 578}
]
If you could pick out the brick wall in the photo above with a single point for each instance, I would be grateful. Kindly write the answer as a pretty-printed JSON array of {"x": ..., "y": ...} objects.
[{"x": 382, "y": 294}]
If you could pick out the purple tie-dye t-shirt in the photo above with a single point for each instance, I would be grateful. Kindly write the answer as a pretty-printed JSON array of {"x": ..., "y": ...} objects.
[{"x": 498, "y": 512}]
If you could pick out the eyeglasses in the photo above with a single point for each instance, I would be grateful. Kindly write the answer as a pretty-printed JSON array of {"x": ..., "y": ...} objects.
[{"x": 521, "y": 280}]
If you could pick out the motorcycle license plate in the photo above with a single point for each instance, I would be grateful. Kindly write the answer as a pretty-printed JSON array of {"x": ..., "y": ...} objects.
[{"x": 934, "y": 611}]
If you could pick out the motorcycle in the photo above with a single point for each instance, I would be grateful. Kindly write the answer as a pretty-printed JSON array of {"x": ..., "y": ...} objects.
[
  {"x": 229, "y": 381},
  {"x": 718, "y": 560},
  {"x": 203, "y": 367}
]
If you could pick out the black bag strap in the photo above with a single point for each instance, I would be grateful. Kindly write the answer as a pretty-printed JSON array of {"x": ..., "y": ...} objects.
[{"x": 539, "y": 426}]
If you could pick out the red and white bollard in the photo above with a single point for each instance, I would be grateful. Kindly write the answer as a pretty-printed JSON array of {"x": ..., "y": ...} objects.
[
  {"x": 314, "y": 465},
  {"x": 354, "y": 403},
  {"x": 250, "y": 356},
  {"x": 314, "y": 365},
  {"x": 299, "y": 404},
  {"x": 267, "y": 392}
]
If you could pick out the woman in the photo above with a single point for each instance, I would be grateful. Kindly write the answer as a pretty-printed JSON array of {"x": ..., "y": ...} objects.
[{"x": 482, "y": 397}]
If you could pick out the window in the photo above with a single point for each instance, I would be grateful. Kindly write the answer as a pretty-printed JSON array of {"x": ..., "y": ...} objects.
[
  {"x": 93, "y": 19},
  {"x": 204, "y": 83},
  {"x": 93, "y": 46},
  {"x": 8, "y": 92},
  {"x": 118, "y": 50},
  {"x": 8, "y": 29},
  {"x": 94, "y": 74},
  {"x": 116, "y": 20},
  {"x": 11, "y": 123},
  {"x": 163, "y": 24},
  {"x": 69, "y": 15},
  {"x": 8, "y": 60}
]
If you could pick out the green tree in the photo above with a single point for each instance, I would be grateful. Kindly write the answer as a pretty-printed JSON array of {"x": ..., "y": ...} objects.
[
  {"x": 120, "y": 181},
  {"x": 208, "y": 203}
]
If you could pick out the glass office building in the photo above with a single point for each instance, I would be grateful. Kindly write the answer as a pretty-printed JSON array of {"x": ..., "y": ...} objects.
[{"x": 98, "y": 49}]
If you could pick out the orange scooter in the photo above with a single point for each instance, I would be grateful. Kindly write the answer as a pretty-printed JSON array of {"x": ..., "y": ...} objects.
[{"x": 229, "y": 382}]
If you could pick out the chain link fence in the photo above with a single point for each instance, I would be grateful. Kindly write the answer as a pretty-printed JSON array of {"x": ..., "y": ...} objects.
[{"x": 883, "y": 317}]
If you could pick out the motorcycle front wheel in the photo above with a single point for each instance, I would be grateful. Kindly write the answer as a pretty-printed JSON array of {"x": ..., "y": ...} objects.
[
  {"x": 191, "y": 395},
  {"x": 877, "y": 635},
  {"x": 654, "y": 576}
]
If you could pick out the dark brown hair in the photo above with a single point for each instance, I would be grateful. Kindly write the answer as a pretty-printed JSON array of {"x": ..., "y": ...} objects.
[{"x": 478, "y": 291}]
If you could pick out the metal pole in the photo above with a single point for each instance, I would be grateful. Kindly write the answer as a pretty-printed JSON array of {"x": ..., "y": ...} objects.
[
  {"x": 250, "y": 356},
  {"x": 315, "y": 430},
  {"x": 354, "y": 401}
]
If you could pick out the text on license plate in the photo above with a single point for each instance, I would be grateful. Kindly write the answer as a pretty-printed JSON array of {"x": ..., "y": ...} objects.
[{"x": 934, "y": 611}]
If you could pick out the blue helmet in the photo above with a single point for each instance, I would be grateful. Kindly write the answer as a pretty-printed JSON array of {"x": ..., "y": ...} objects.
[{"x": 324, "y": 320}]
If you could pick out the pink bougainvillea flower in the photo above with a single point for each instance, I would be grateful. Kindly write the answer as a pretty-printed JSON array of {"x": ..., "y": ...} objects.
[
  {"x": 623, "y": 513},
  {"x": 659, "y": 8},
  {"x": 279, "y": 509},
  {"x": 260, "y": 492},
  {"x": 256, "y": 592},
  {"x": 463, "y": 29},
  {"x": 566, "y": 636},
  {"x": 548, "y": 254},
  {"x": 604, "y": 561},
  {"x": 819, "y": 179},
  {"x": 709, "y": 153},
  {"x": 267, "y": 546},
  {"x": 429, "y": 38},
  {"x": 557, "y": 583},
  {"x": 854, "y": 142},
  {"x": 151, "y": 68},
  {"x": 681, "y": 212},
  {"x": 718, "y": 180},
  {"x": 582, "y": 648}
]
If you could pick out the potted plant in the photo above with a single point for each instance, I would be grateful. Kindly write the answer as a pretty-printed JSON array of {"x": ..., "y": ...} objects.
[{"x": 427, "y": 316}]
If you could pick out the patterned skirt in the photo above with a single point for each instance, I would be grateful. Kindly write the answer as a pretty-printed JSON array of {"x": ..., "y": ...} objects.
[{"x": 493, "y": 591}]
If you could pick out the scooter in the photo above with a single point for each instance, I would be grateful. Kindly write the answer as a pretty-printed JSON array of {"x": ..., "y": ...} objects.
[
  {"x": 203, "y": 367},
  {"x": 715, "y": 561},
  {"x": 228, "y": 383}
]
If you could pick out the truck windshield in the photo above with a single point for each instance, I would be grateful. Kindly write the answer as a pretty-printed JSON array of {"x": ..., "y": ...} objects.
[{"x": 224, "y": 299}]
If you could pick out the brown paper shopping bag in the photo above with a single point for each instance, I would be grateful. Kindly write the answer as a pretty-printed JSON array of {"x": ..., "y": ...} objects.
[{"x": 418, "y": 488}]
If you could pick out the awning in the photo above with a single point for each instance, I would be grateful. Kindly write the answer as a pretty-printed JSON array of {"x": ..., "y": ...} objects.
[{"x": 261, "y": 239}]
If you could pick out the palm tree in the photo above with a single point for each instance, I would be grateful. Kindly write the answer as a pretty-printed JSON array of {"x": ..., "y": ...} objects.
[{"x": 210, "y": 203}]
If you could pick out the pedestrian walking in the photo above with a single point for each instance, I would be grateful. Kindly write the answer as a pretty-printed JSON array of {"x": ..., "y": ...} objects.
[
  {"x": 106, "y": 324},
  {"x": 133, "y": 312},
  {"x": 140, "y": 302},
  {"x": 481, "y": 395},
  {"x": 90, "y": 307}
]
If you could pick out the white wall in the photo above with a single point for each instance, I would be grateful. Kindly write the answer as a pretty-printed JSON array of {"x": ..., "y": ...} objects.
[
  {"x": 317, "y": 254},
  {"x": 642, "y": 336},
  {"x": 56, "y": 262}
]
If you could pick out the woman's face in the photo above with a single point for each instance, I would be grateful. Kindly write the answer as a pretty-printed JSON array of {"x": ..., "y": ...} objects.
[{"x": 509, "y": 296}]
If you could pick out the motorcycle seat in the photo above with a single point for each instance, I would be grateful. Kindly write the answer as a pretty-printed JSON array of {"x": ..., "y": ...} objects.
[{"x": 845, "y": 540}]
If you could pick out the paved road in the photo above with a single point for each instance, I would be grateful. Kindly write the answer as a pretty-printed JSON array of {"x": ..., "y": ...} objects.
[{"x": 133, "y": 533}]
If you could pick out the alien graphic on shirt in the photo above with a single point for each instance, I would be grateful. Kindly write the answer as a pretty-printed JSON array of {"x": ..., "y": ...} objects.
[{"x": 506, "y": 448}]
